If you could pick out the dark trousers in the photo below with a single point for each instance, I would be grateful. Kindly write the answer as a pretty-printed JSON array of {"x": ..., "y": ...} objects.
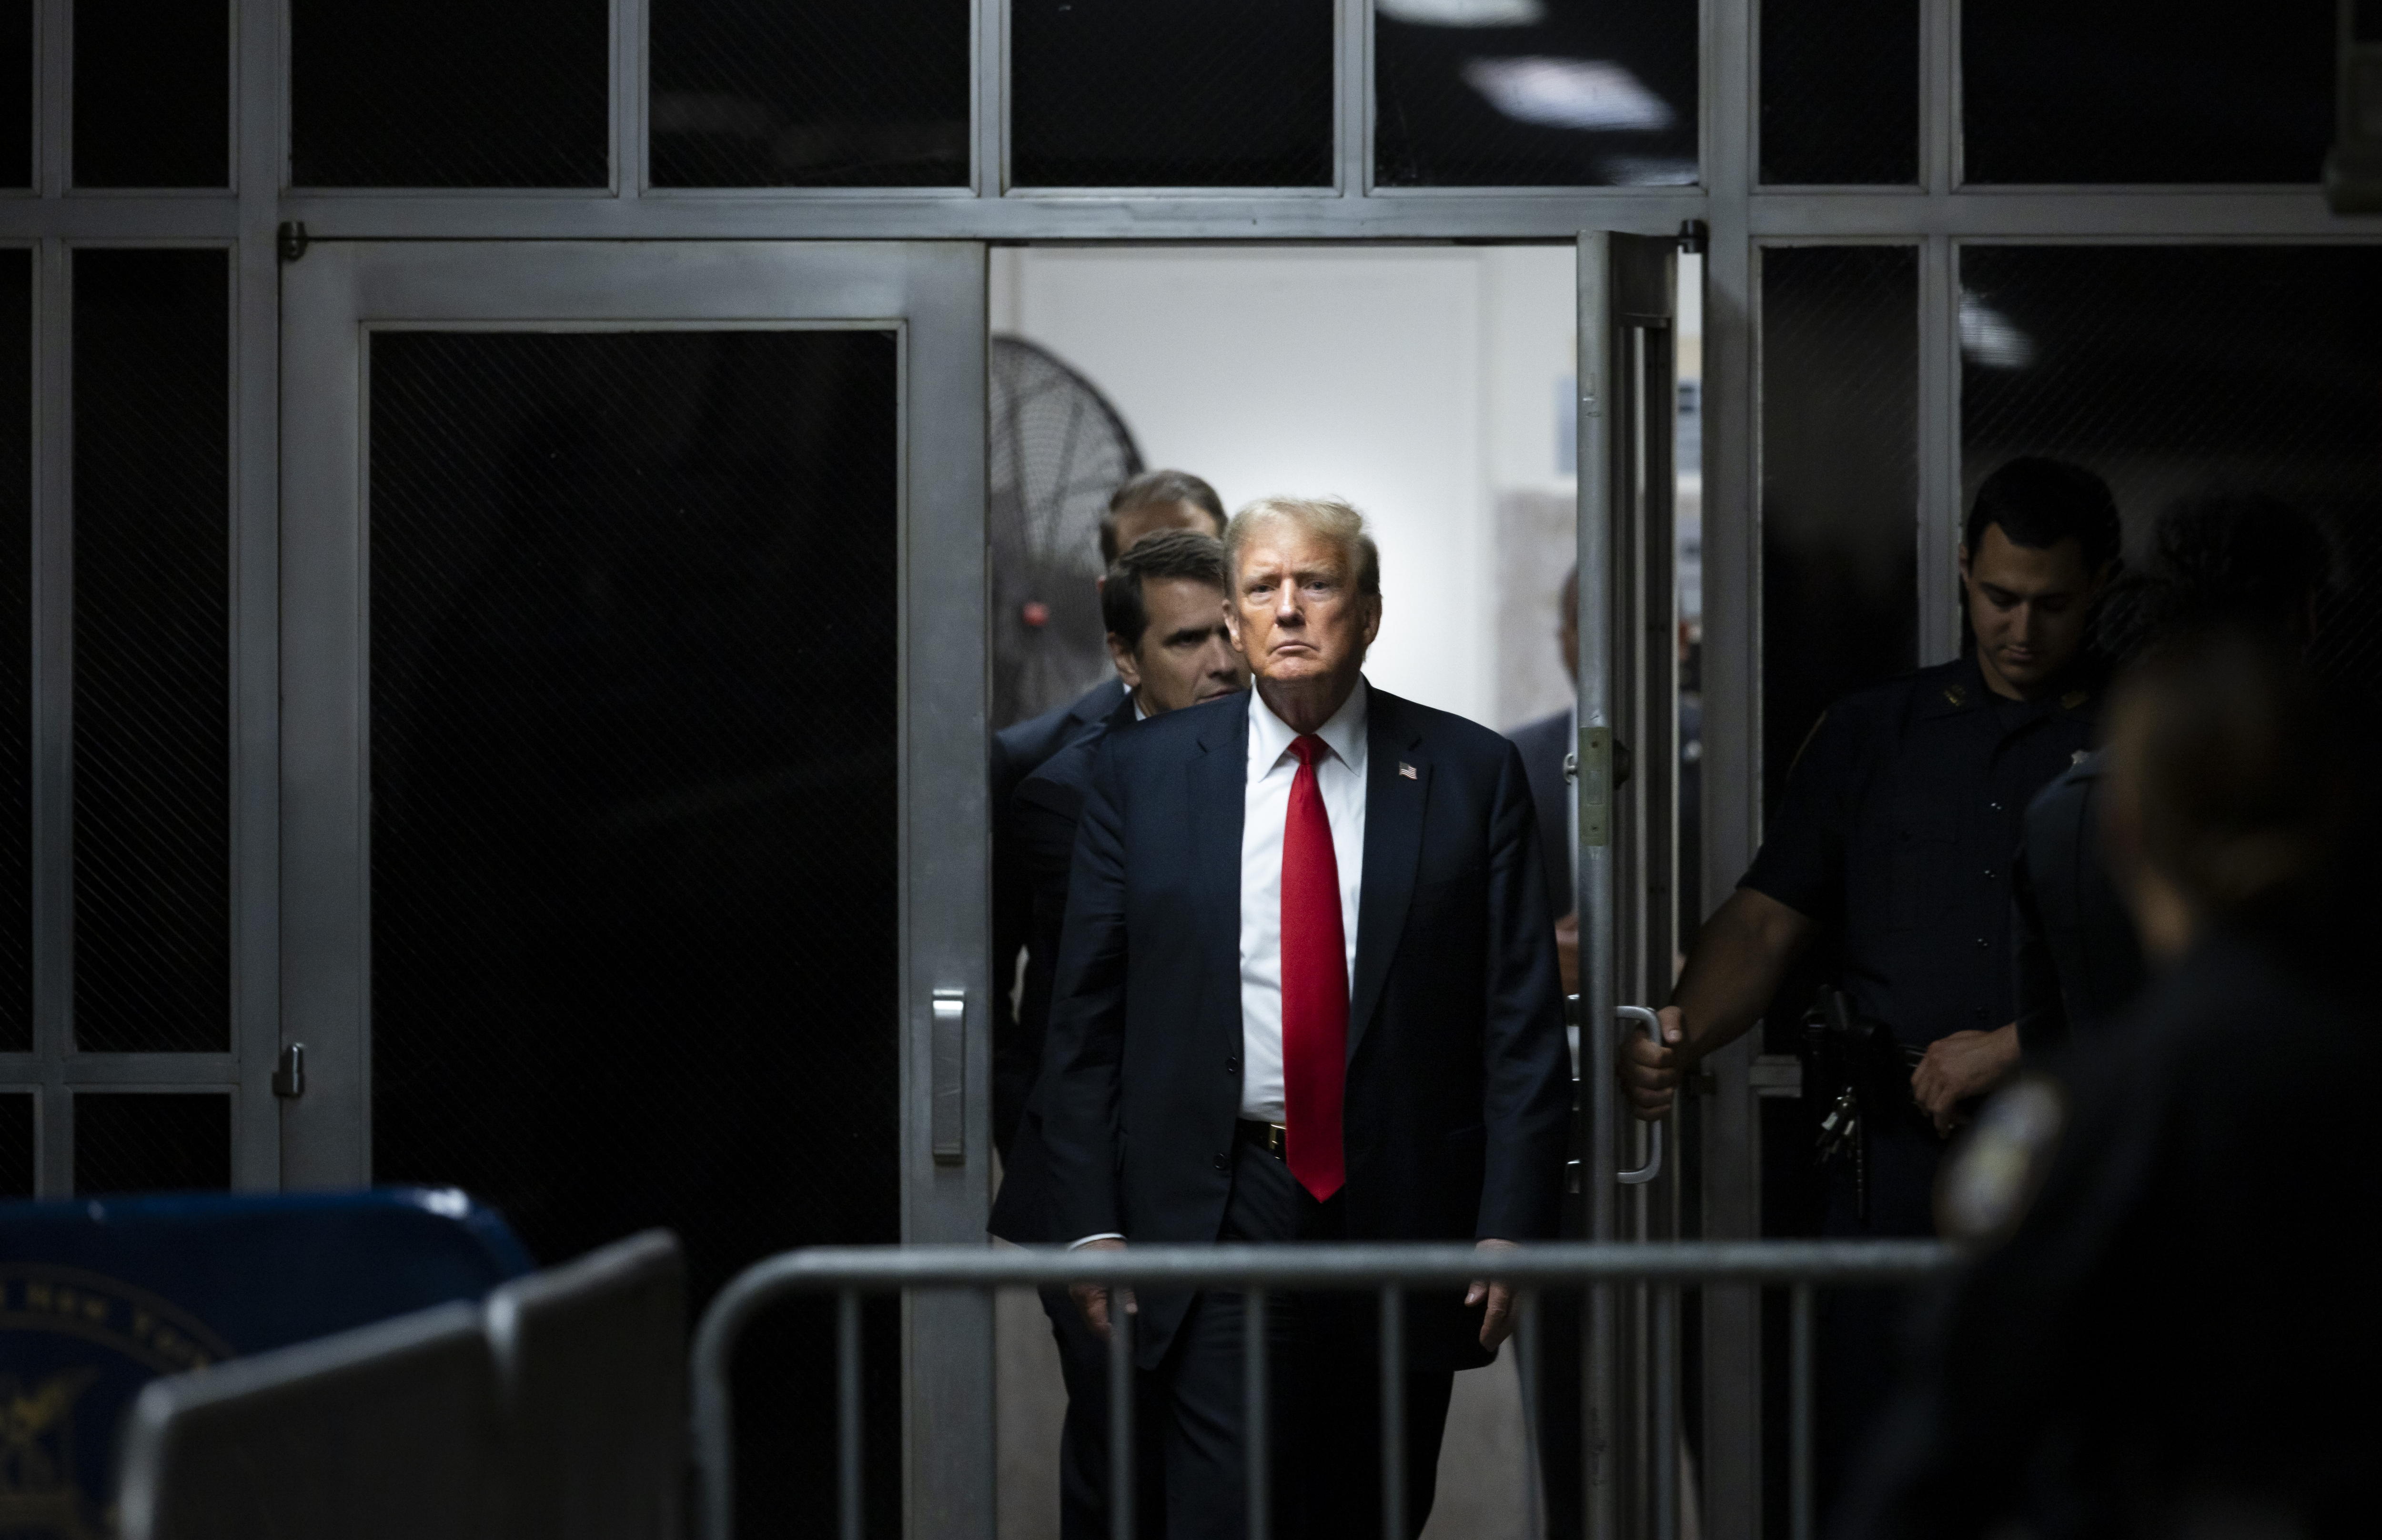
[
  {"x": 1324, "y": 1408},
  {"x": 1083, "y": 1438},
  {"x": 1861, "y": 1329}
]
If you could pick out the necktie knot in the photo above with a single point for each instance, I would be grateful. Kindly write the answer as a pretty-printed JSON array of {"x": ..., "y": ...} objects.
[{"x": 1309, "y": 749}]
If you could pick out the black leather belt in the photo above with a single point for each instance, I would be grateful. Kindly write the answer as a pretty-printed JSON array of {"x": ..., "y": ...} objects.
[{"x": 1272, "y": 1138}]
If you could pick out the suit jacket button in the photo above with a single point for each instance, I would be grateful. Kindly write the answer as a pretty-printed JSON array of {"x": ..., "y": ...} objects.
[
  {"x": 1231, "y": 1064},
  {"x": 1223, "y": 1163}
]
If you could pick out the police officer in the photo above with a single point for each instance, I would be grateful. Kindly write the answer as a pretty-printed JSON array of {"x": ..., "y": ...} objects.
[
  {"x": 2170, "y": 1331},
  {"x": 2251, "y": 561},
  {"x": 1891, "y": 846}
]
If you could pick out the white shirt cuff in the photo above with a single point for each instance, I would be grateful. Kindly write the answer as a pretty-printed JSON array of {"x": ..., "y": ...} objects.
[{"x": 1105, "y": 1235}]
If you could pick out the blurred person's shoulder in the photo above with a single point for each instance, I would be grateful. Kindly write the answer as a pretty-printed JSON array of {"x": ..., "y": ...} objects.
[{"x": 1176, "y": 734}]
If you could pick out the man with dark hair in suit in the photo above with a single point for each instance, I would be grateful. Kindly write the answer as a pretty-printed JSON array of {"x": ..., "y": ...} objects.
[
  {"x": 1149, "y": 503},
  {"x": 1307, "y": 990},
  {"x": 1163, "y": 603}
]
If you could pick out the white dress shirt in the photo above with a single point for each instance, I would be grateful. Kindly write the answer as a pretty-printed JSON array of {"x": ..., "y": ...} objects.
[{"x": 1340, "y": 776}]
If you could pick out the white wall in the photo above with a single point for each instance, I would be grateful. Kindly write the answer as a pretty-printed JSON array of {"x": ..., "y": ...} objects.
[{"x": 1416, "y": 382}]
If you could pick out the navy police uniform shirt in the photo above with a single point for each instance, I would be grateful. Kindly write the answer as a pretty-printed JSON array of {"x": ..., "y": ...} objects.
[{"x": 1896, "y": 832}]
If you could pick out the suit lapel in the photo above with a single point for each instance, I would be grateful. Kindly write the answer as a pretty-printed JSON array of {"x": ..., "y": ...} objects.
[
  {"x": 1393, "y": 811},
  {"x": 1218, "y": 788}
]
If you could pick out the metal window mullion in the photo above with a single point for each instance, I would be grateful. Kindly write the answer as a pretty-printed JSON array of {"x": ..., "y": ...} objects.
[
  {"x": 1939, "y": 450},
  {"x": 53, "y": 768},
  {"x": 1939, "y": 98},
  {"x": 54, "y": 25},
  {"x": 631, "y": 90},
  {"x": 1352, "y": 98},
  {"x": 988, "y": 170}
]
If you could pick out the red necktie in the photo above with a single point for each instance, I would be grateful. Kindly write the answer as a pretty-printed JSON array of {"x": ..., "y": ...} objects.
[{"x": 1314, "y": 983}]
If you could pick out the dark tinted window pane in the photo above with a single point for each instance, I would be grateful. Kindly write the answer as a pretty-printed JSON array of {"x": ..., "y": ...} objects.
[
  {"x": 16, "y": 651},
  {"x": 16, "y": 1145},
  {"x": 16, "y": 93},
  {"x": 2138, "y": 91},
  {"x": 1840, "y": 92},
  {"x": 450, "y": 93},
  {"x": 635, "y": 836},
  {"x": 152, "y": 651},
  {"x": 1125, "y": 93},
  {"x": 152, "y": 93},
  {"x": 1839, "y": 481},
  {"x": 1534, "y": 92},
  {"x": 152, "y": 1141},
  {"x": 2176, "y": 371},
  {"x": 761, "y": 93}
]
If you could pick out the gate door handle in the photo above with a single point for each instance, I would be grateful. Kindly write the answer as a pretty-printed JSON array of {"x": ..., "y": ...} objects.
[
  {"x": 948, "y": 1050},
  {"x": 1654, "y": 1167}
]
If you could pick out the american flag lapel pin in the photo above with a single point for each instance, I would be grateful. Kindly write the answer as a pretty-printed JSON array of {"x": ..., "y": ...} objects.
[{"x": 1407, "y": 771}]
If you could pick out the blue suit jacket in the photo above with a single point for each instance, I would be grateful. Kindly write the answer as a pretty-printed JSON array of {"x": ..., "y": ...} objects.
[{"x": 1458, "y": 1087}]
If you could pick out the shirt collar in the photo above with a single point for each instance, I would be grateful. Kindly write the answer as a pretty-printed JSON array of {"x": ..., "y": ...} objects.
[{"x": 1270, "y": 736}]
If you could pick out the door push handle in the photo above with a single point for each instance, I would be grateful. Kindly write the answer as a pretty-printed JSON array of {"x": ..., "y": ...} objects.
[
  {"x": 947, "y": 1050},
  {"x": 1654, "y": 1167}
]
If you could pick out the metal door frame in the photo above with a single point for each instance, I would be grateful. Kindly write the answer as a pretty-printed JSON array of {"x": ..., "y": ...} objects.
[
  {"x": 932, "y": 295},
  {"x": 1629, "y": 843}
]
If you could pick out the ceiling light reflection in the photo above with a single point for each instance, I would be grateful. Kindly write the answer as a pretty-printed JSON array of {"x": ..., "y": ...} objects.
[
  {"x": 1990, "y": 339},
  {"x": 1463, "y": 13},
  {"x": 1569, "y": 94}
]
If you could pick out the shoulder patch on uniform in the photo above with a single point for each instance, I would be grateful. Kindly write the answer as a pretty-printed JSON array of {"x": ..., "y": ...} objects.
[
  {"x": 1987, "y": 1187},
  {"x": 2074, "y": 698},
  {"x": 1957, "y": 693}
]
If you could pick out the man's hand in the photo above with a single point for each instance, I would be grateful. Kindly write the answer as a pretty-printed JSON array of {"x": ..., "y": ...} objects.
[
  {"x": 1497, "y": 1322},
  {"x": 1963, "y": 1065},
  {"x": 1650, "y": 1071},
  {"x": 1567, "y": 951},
  {"x": 1093, "y": 1299}
]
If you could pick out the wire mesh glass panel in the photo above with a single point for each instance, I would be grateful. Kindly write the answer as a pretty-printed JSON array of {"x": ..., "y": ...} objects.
[
  {"x": 1839, "y": 481},
  {"x": 16, "y": 93},
  {"x": 1841, "y": 92},
  {"x": 16, "y": 651},
  {"x": 636, "y": 850},
  {"x": 17, "y": 1149},
  {"x": 152, "y": 1141},
  {"x": 152, "y": 650},
  {"x": 1534, "y": 93},
  {"x": 1123, "y": 93},
  {"x": 152, "y": 93},
  {"x": 450, "y": 93},
  {"x": 760, "y": 93},
  {"x": 2133, "y": 91},
  {"x": 2175, "y": 371}
]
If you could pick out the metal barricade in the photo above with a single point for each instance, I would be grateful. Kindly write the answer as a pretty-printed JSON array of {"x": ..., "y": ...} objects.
[{"x": 1391, "y": 1269}]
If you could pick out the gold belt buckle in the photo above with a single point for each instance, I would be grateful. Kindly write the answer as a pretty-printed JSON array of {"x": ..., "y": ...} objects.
[{"x": 1277, "y": 1140}]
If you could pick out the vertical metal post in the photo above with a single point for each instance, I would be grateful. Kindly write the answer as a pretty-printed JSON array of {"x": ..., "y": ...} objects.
[
  {"x": 1665, "y": 1434},
  {"x": 1257, "y": 1419},
  {"x": 1121, "y": 1468},
  {"x": 1802, "y": 1502},
  {"x": 847, "y": 1415},
  {"x": 1394, "y": 1413}
]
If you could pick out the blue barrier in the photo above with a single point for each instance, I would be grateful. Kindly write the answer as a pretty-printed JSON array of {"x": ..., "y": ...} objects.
[{"x": 100, "y": 1296}]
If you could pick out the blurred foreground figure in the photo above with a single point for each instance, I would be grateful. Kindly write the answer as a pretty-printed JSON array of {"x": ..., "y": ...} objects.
[
  {"x": 2171, "y": 1334},
  {"x": 2253, "y": 563}
]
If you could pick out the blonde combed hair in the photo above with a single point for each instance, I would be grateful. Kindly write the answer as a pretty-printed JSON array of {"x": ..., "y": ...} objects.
[{"x": 1335, "y": 518}]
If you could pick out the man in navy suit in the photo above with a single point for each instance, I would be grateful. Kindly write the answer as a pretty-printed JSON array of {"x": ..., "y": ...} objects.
[
  {"x": 1149, "y": 503},
  {"x": 1307, "y": 990},
  {"x": 1163, "y": 604}
]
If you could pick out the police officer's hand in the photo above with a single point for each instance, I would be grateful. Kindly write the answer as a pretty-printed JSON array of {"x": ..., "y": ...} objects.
[
  {"x": 1649, "y": 1072},
  {"x": 1963, "y": 1065}
]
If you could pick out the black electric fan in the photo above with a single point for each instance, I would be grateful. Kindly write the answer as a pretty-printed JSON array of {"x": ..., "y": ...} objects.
[{"x": 1058, "y": 450}]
